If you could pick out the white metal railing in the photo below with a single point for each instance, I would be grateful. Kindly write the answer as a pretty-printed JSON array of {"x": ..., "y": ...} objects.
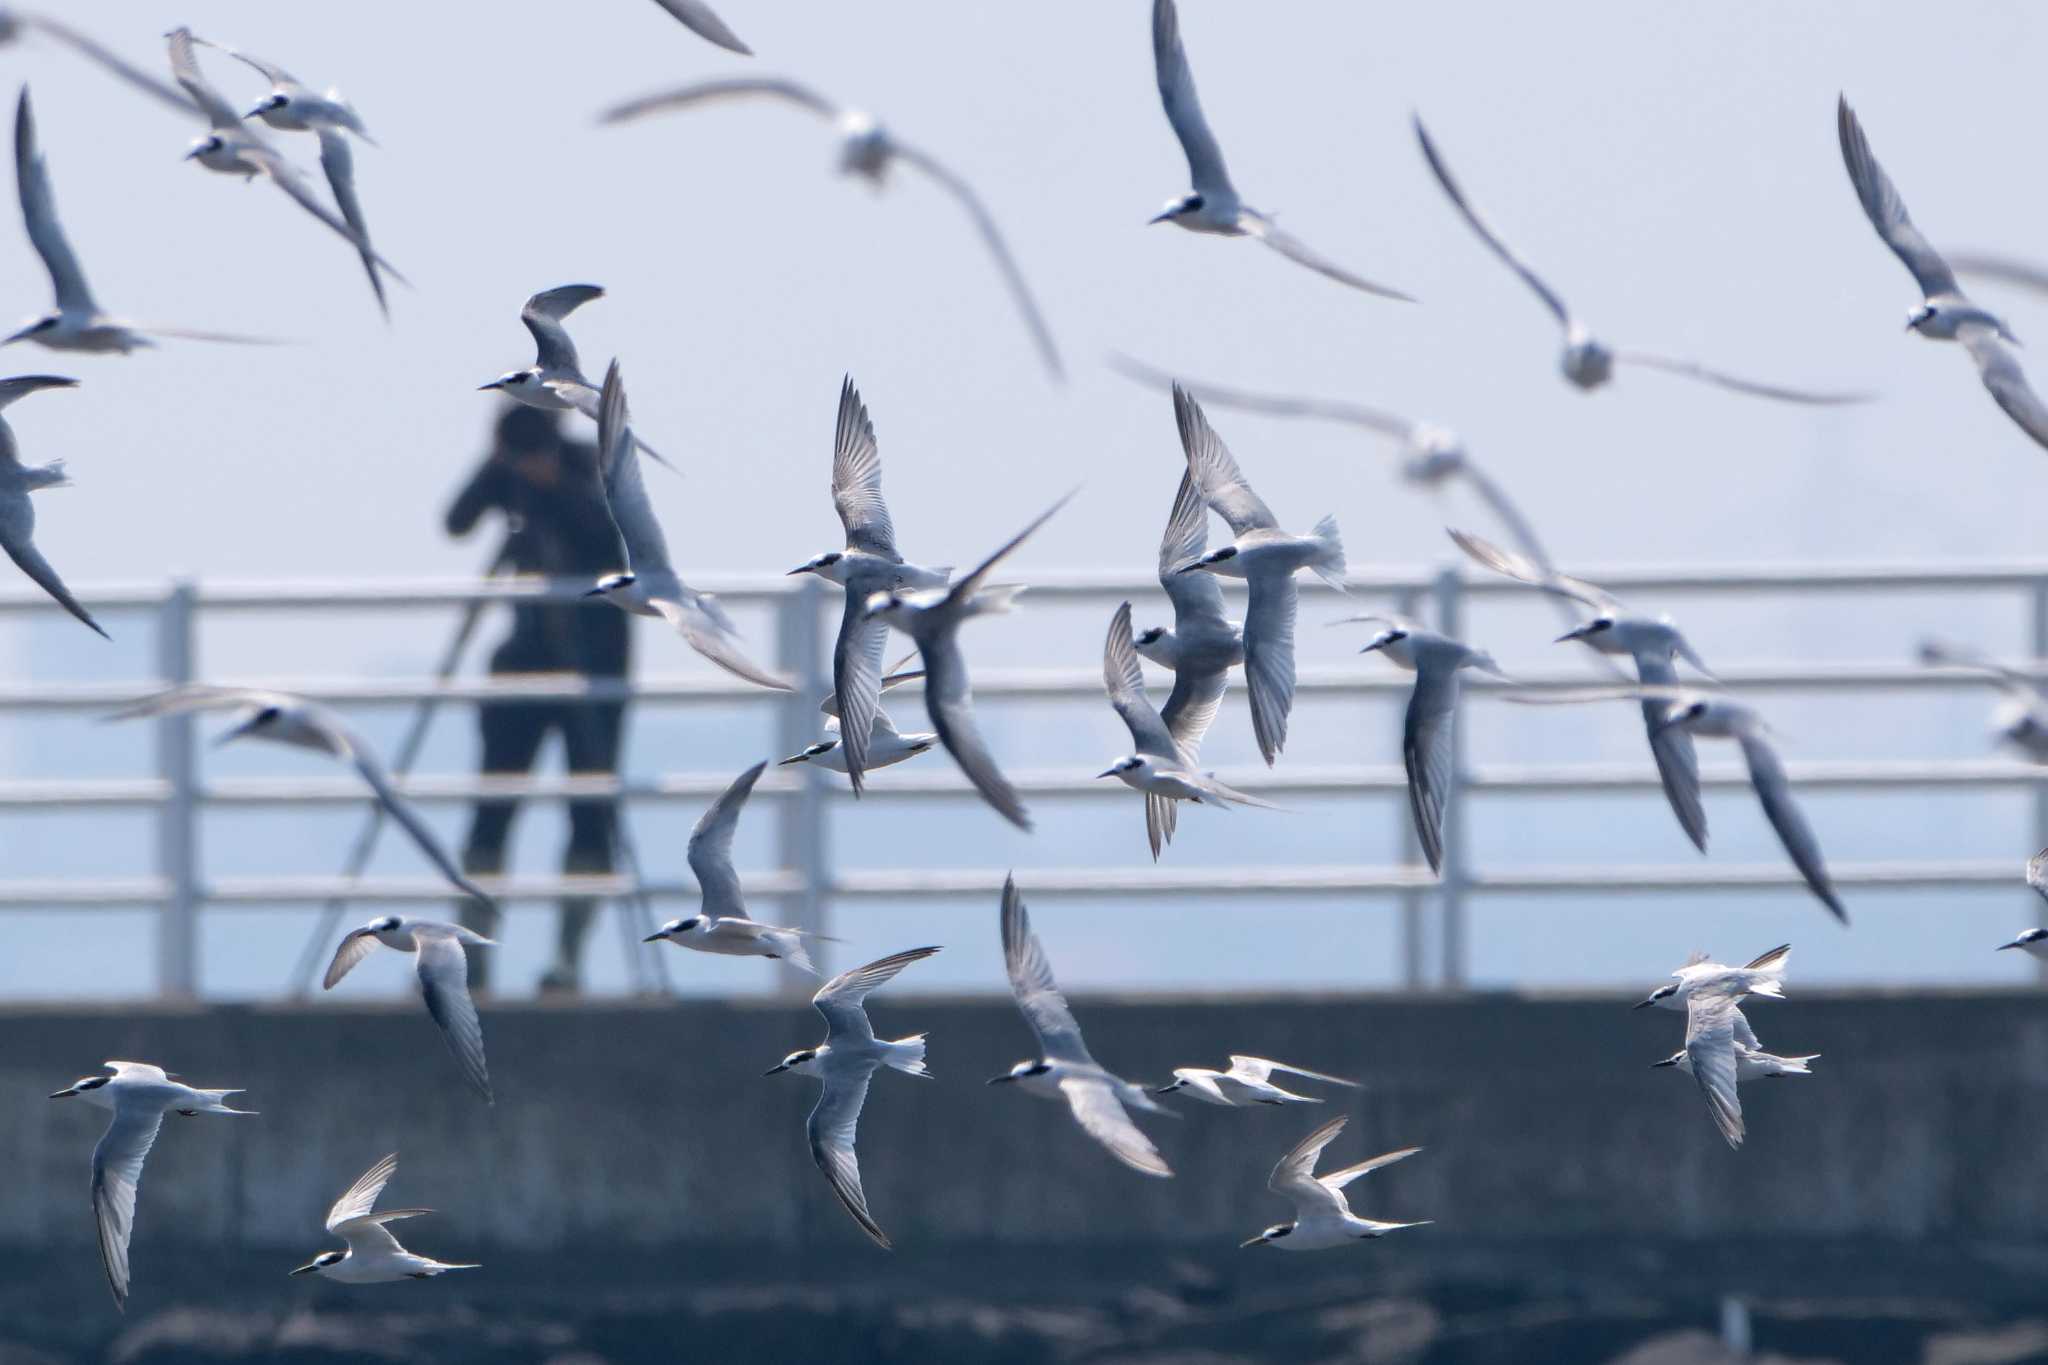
[{"x": 804, "y": 796}]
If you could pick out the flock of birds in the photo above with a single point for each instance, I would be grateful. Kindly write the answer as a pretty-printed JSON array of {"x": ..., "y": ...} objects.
[{"x": 885, "y": 591}]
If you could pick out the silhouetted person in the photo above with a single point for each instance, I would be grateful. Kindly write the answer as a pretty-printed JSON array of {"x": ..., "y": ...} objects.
[{"x": 548, "y": 490}]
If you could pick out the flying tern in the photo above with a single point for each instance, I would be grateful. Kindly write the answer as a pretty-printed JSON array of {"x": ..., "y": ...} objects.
[
  {"x": 440, "y": 959},
  {"x": 2021, "y": 719},
  {"x": 1267, "y": 558},
  {"x": 1763, "y": 975},
  {"x": 869, "y": 564},
  {"x": 933, "y": 617},
  {"x": 139, "y": 1096},
  {"x": 554, "y": 382},
  {"x": 14, "y": 23},
  {"x": 1587, "y": 362},
  {"x": 1200, "y": 647},
  {"x": 1654, "y": 646},
  {"x": 868, "y": 150},
  {"x": 885, "y": 745},
  {"x": 76, "y": 323},
  {"x": 2034, "y": 942},
  {"x": 294, "y": 107},
  {"x": 1721, "y": 1051},
  {"x": 1249, "y": 1081},
  {"x": 844, "y": 1063},
  {"x": 234, "y": 148},
  {"x": 721, "y": 924},
  {"x": 284, "y": 718},
  {"x": 1064, "y": 1069},
  {"x": 699, "y": 18},
  {"x": 1322, "y": 1215},
  {"x": 1159, "y": 765},
  {"x": 373, "y": 1255},
  {"x": 1718, "y": 717},
  {"x": 17, "y": 512},
  {"x": 1213, "y": 205},
  {"x": 1945, "y": 312},
  {"x": 1428, "y": 740},
  {"x": 647, "y": 583}
]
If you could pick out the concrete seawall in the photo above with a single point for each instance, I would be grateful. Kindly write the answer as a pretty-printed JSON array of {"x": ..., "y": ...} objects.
[{"x": 651, "y": 1126}]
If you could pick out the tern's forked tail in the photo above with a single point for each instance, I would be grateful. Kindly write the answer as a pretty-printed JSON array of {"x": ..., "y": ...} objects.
[
  {"x": 1328, "y": 563},
  {"x": 907, "y": 1055}
]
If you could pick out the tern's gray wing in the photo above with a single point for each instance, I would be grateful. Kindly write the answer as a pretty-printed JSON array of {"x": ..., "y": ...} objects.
[
  {"x": 1195, "y": 596},
  {"x": 968, "y": 584},
  {"x": 896, "y": 677},
  {"x": 1124, "y": 680},
  {"x": 1270, "y": 405},
  {"x": 832, "y": 1129},
  {"x": 1263, "y": 1067},
  {"x": 1486, "y": 234},
  {"x": 711, "y": 847},
  {"x": 2000, "y": 269},
  {"x": 1269, "y": 658},
  {"x": 17, "y": 532},
  {"x": 272, "y": 72},
  {"x": 39, "y": 214},
  {"x": 362, "y": 1196},
  {"x": 175, "y": 701},
  {"x": 708, "y": 92},
  {"x": 355, "y": 945},
  {"x": 78, "y": 42},
  {"x": 116, "y": 1171},
  {"x": 1298, "y": 251},
  {"x": 209, "y": 101},
  {"x": 1678, "y": 761},
  {"x": 1693, "y": 370},
  {"x": 2037, "y": 873},
  {"x": 1502, "y": 506},
  {"x": 401, "y": 810},
  {"x": 1744, "y": 1034},
  {"x": 1774, "y": 791},
  {"x": 992, "y": 237},
  {"x": 1215, "y": 470},
  {"x": 1183, "y": 107},
  {"x": 543, "y": 314},
  {"x": 1101, "y": 1115},
  {"x": 1294, "y": 1178},
  {"x": 1031, "y": 982},
  {"x": 2001, "y": 373},
  {"x": 702, "y": 622},
  {"x": 857, "y": 479},
  {"x": 1192, "y": 705},
  {"x": 698, "y": 17},
  {"x": 857, "y": 683},
  {"x": 1525, "y": 570},
  {"x": 948, "y": 701},
  {"x": 288, "y": 178},
  {"x": 1710, "y": 1045},
  {"x": 1429, "y": 749},
  {"x": 625, "y": 492},
  {"x": 17, "y": 387},
  {"x": 1884, "y": 208},
  {"x": 840, "y": 999},
  {"x": 339, "y": 164},
  {"x": 443, "y": 967}
]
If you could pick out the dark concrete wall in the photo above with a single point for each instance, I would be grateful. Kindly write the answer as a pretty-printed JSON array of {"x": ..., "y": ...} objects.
[{"x": 651, "y": 1126}]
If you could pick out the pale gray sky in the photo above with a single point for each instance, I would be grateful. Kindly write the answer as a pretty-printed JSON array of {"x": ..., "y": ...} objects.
[{"x": 1672, "y": 171}]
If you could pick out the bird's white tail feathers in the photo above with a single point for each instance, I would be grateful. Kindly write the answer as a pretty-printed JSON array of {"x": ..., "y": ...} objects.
[
  {"x": 794, "y": 952},
  {"x": 49, "y": 475},
  {"x": 1796, "y": 1066},
  {"x": 996, "y": 599},
  {"x": 909, "y": 1055},
  {"x": 1768, "y": 985},
  {"x": 218, "y": 1103},
  {"x": 1328, "y": 564}
]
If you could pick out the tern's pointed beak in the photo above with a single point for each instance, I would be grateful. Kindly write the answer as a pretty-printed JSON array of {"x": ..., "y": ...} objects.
[
  {"x": 1191, "y": 566},
  {"x": 1668, "y": 1061},
  {"x": 68, "y": 1091},
  {"x": 229, "y": 736},
  {"x": 1107, "y": 772},
  {"x": 998, "y": 1080},
  {"x": 801, "y": 568},
  {"x": 1167, "y": 1089},
  {"x": 191, "y": 152},
  {"x": 1164, "y": 216},
  {"x": 1261, "y": 1240},
  {"x": 773, "y": 1069},
  {"x": 494, "y": 384},
  {"x": 307, "y": 1269},
  {"x": 22, "y": 335},
  {"x": 1575, "y": 633},
  {"x": 257, "y": 112},
  {"x": 1644, "y": 1003},
  {"x": 793, "y": 758},
  {"x": 2001, "y": 948},
  {"x": 594, "y": 592},
  {"x": 655, "y": 937}
]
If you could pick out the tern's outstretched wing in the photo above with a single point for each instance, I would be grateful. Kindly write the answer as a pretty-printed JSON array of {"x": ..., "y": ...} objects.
[
  {"x": 443, "y": 966},
  {"x": 1031, "y": 982},
  {"x": 832, "y": 1129},
  {"x": 116, "y": 1171},
  {"x": 1183, "y": 107},
  {"x": 711, "y": 847},
  {"x": 841, "y": 1000},
  {"x": 1550, "y": 297},
  {"x": 361, "y": 1197},
  {"x": 1886, "y": 210},
  {"x": 701, "y": 20}
]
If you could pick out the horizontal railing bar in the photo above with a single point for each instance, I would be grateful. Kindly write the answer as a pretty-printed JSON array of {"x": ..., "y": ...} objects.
[
  {"x": 756, "y": 589},
  {"x": 1104, "y": 882},
  {"x": 1828, "y": 774}
]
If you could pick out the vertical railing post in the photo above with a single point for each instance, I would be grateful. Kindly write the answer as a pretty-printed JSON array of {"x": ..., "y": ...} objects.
[
  {"x": 1413, "y": 967},
  {"x": 2037, "y": 601},
  {"x": 803, "y": 828},
  {"x": 177, "y": 848},
  {"x": 1448, "y": 590}
]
